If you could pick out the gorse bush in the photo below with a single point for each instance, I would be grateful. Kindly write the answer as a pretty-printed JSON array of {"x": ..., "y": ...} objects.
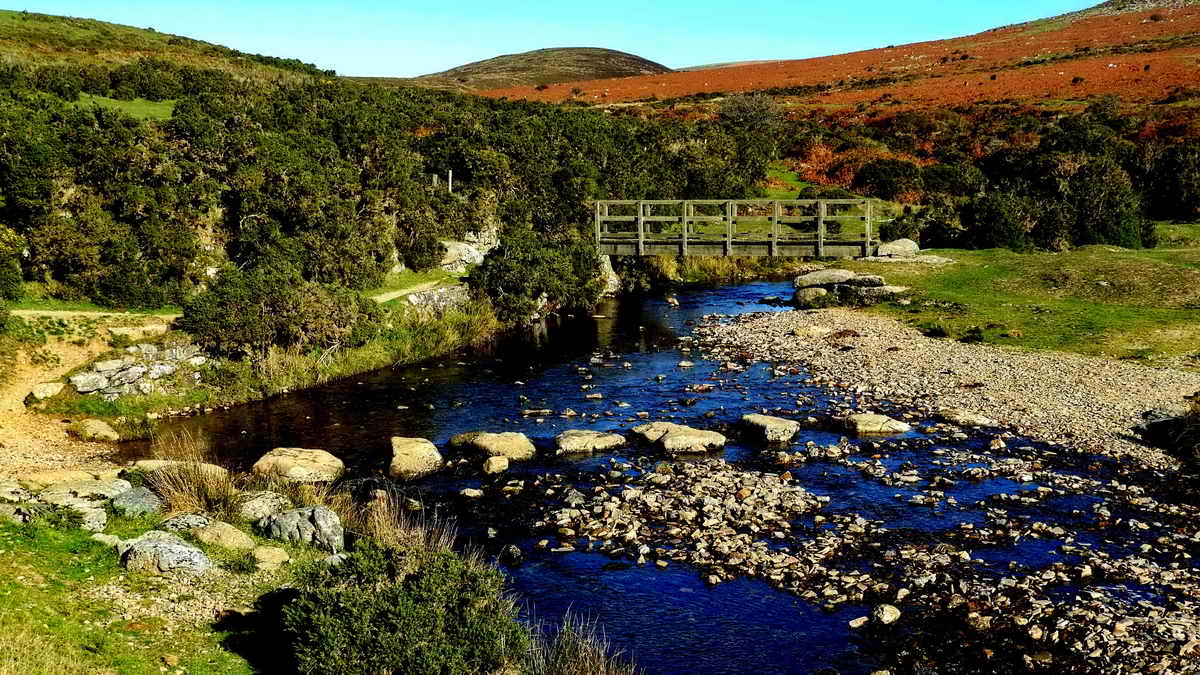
[
  {"x": 382, "y": 611},
  {"x": 247, "y": 312},
  {"x": 527, "y": 274}
]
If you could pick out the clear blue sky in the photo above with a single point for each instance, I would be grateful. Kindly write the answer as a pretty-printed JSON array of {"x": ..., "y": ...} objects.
[{"x": 404, "y": 38}]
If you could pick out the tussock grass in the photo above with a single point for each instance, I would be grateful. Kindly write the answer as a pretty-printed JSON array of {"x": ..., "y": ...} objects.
[
  {"x": 578, "y": 647},
  {"x": 193, "y": 485},
  {"x": 24, "y": 651}
]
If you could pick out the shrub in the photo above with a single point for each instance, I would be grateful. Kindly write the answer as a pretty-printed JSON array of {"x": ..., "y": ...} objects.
[
  {"x": 10, "y": 278},
  {"x": 888, "y": 178},
  {"x": 248, "y": 312},
  {"x": 960, "y": 180},
  {"x": 382, "y": 610},
  {"x": 424, "y": 253},
  {"x": 527, "y": 274},
  {"x": 998, "y": 220}
]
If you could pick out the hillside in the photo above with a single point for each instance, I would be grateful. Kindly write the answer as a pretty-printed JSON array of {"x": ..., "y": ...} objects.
[
  {"x": 536, "y": 68},
  {"x": 1141, "y": 49},
  {"x": 27, "y": 37}
]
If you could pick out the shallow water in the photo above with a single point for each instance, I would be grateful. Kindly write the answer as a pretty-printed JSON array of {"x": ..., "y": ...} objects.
[{"x": 669, "y": 620}]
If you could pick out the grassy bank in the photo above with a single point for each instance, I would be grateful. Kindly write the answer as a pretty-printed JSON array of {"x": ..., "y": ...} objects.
[
  {"x": 1100, "y": 300},
  {"x": 409, "y": 337}
]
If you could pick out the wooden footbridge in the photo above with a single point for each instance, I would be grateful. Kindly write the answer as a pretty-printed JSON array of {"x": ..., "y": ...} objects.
[{"x": 740, "y": 227}]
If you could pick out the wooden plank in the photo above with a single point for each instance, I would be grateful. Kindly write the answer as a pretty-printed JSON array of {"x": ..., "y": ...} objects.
[
  {"x": 683, "y": 221},
  {"x": 775, "y": 213},
  {"x": 599, "y": 220},
  {"x": 730, "y": 215}
]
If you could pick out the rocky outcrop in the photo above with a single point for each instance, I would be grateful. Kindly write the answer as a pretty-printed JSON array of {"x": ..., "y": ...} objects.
[
  {"x": 612, "y": 282},
  {"x": 413, "y": 458},
  {"x": 437, "y": 301},
  {"x": 585, "y": 441},
  {"x": 316, "y": 525},
  {"x": 460, "y": 256},
  {"x": 837, "y": 286},
  {"x": 146, "y": 369},
  {"x": 494, "y": 465},
  {"x": 302, "y": 465},
  {"x": 185, "y": 522},
  {"x": 772, "y": 429}
]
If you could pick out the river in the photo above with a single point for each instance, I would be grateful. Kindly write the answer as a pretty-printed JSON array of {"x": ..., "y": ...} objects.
[{"x": 669, "y": 620}]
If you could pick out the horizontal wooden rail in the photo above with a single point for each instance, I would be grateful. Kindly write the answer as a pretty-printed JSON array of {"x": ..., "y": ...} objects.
[{"x": 742, "y": 227}]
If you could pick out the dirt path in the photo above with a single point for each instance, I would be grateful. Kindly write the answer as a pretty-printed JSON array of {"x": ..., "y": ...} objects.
[
  {"x": 392, "y": 295},
  {"x": 81, "y": 314}
]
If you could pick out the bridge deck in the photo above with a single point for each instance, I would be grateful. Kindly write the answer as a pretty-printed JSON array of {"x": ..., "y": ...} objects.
[{"x": 740, "y": 227}]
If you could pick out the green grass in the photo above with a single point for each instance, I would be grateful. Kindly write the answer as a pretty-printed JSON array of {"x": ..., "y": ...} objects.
[
  {"x": 1096, "y": 300},
  {"x": 49, "y": 625},
  {"x": 778, "y": 172},
  {"x": 33, "y": 302},
  {"x": 409, "y": 279},
  {"x": 139, "y": 108}
]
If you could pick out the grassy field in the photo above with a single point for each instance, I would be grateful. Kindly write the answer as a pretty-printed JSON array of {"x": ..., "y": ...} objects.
[
  {"x": 49, "y": 625},
  {"x": 783, "y": 183},
  {"x": 138, "y": 107},
  {"x": 1097, "y": 300}
]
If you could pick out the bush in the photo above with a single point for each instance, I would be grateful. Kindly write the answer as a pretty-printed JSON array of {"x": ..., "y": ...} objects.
[
  {"x": 425, "y": 253},
  {"x": 888, "y": 178},
  {"x": 10, "y": 278},
  {"x": 998, "y": 220},
  {"x": 960, "y": 180},
  {"x": 526, "y": 274},
  {"x": 387, "y": 610},
  {"x": 247, "y": 312}
]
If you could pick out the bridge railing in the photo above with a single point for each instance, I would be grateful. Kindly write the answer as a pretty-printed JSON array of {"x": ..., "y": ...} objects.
[{"x": 762, "y": 227}]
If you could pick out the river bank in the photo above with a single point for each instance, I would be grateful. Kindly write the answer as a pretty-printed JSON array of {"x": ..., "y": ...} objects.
[{"x": 1087, "y": 402}]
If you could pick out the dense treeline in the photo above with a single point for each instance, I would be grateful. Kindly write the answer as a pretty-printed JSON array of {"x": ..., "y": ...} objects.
[
  {"x": 321, "y": 182},
  {"x": 1013, "y": 176}
]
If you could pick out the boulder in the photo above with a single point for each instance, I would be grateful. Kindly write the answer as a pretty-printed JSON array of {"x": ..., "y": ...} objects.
[
  {"x": 270, "y": 557},
  {"x": 139, "y": 501},
  {"x": 160, "y": 552},
  {"x": 612, "y": 283},
  {"x": 866, "y": 280},
  {"x": 108, "y": 365},
  {"x": 300, "y": 464},
  {"x": 493, "y": 465},
  {"x": 154, "y": 465},
  {"x": 11, "y": 491},
  {"x": 185, "y": 522},
  {"x": 465, "y": 440},
  {"x": 94, "y": 430},
  {"x": 85, "y": 383},
  {"x": 315, "y": 525},
  {"x": 965, "y": 418},
  {"x": 827, "y": 277},
  {"x": 91, "y": 518},
  {"x": 901, "y": 248},
  {"x": 772, "y": 429},
  {"x": 869, "y": 295},
  {"x": 21, "y": 513},
  {"x": 254, "y": 506},
  {"x": 64, "y": 494},
  {"x": 885, "y": 614},
  {"x": 224, "y": 535},
  {"x": 43, "y": 391},
  {"x": 40, "y": 480},
  {"x": 806, "y": 297},
  {"x": 459, "y": 256},
  {"x": 580, "y": 441},
  {"x": 678, "y": 439},
  {"x": 870, "y": 423},
  {"x": 413, "y": 458},
  {"x": 127, "y": 376},
  {"x": 510, "y": 444}
]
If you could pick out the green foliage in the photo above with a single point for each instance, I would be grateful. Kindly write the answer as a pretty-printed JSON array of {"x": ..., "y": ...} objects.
[
  {"x": 10, "y": 278},
  {"x": 888, "y": 178},
  {"x": 247, "y": 312},
  {"x": 525, "y": 275},
  {"x": 425, "y": 253},
  {"x": 381, "y": 610}
]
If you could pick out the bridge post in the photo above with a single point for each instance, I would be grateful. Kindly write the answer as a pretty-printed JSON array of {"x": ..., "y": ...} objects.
[
  {"x": 775, "y": 214},
  {"x": 821, "y": 229},
  {"x": 684, "y": 218},
  {"x": 730, "y": 214},
  {"x": 641, "y": 227},
  {"x": 599, "y": 216}
]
